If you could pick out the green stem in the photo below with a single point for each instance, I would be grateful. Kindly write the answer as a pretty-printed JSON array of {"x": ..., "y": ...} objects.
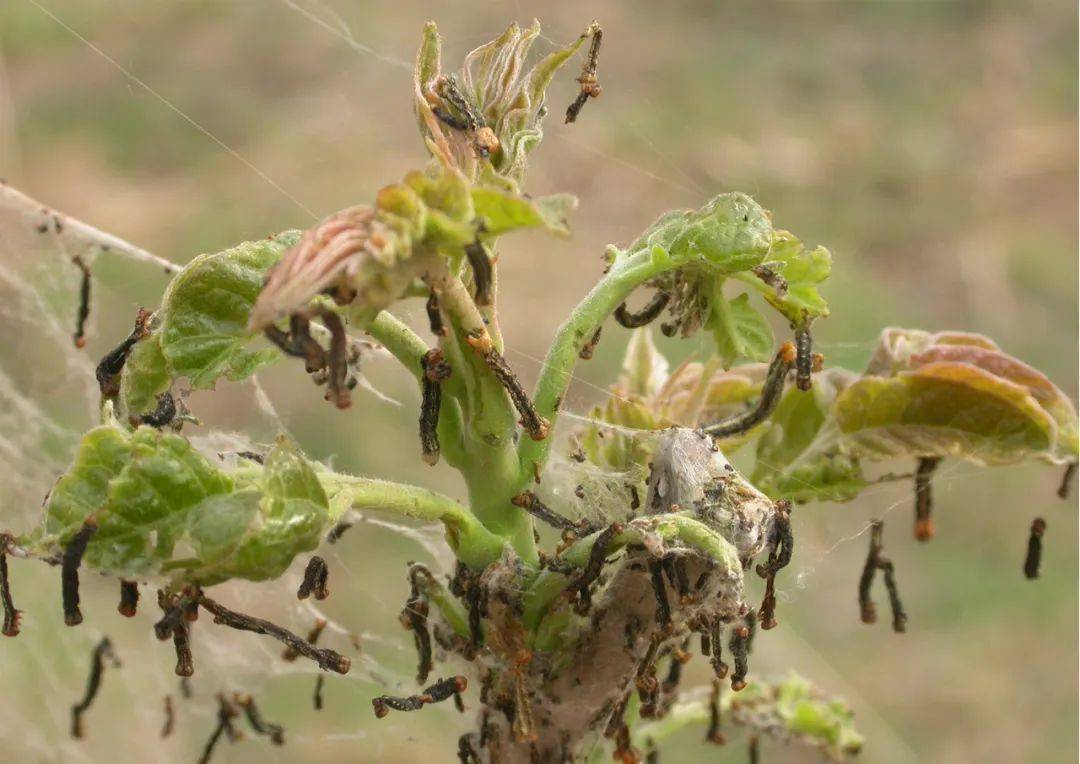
[
  {"x": 408, "y": 348},
  {"x": 490, "y": 465},
  {"x": 625, "y": 276},
  {"x": 472, "y": 543}
]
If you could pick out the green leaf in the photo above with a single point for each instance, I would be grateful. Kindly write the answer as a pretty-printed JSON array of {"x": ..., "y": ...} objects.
[
  {"x": 502, "y": 212},
  {"x": 289, "y": 519},
  {"x": 155, "y": 500},
  {"x": 803, "y": 271},
  {"x": 146, "y": 374},
  {"x": 798, "y": 457},
  {"x": 731, "y": 233},
  {"x": 950, "y": 394},
  {"x": 806, "y": 713},
  {"x": 204, "y": 334},
  {"x": 739, "y": 330}
]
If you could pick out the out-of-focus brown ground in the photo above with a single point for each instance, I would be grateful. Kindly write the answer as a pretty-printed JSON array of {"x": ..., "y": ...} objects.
[{"x": 931, "y": 145}]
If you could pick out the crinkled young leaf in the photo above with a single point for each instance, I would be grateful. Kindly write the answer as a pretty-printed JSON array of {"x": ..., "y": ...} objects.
[
  {"x": 802, "y": 271},
  {"x": 501, "y": 88},
  {"x": 807, "y": 713},
  {"x": 162, "y": 507},
  {"x": 729, "y": 234},
  {"x": 739, "y": 330},
  {"x": 265, "y": 526},
  {"x": 644, "y": 367},
  {"x": 138, "y": 487},
  {"x": 649, "y": 397},
  {"x": 204, "y": 331}
]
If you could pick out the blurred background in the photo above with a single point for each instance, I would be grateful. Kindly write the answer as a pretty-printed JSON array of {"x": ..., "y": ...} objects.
[{"x": 931, "y": 145}]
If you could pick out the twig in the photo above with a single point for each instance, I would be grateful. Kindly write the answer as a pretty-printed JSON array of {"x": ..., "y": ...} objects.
[
  {"x": 103, "y": 650},
  {"x": 44, "y": 219}
]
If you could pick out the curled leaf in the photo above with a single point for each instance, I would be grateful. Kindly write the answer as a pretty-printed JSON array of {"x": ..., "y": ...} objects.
[{"x": 923, "y": 395}]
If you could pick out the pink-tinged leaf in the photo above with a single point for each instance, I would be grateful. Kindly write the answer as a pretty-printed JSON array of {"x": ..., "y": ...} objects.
[{"x": 946, "y": 409}]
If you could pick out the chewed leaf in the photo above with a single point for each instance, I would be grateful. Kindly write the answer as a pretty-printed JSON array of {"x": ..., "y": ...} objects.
[
  {"x": 502, "y": 212},
  {"x": 207, "y": 307},
  {"x": 739, "y": 330},
  {"x": 156, "y": 499}
]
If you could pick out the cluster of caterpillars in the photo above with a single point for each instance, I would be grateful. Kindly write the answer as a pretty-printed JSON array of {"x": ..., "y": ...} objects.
[
  {"x": 326, "y": 366},
  {"x": 180, "y": 610}
]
